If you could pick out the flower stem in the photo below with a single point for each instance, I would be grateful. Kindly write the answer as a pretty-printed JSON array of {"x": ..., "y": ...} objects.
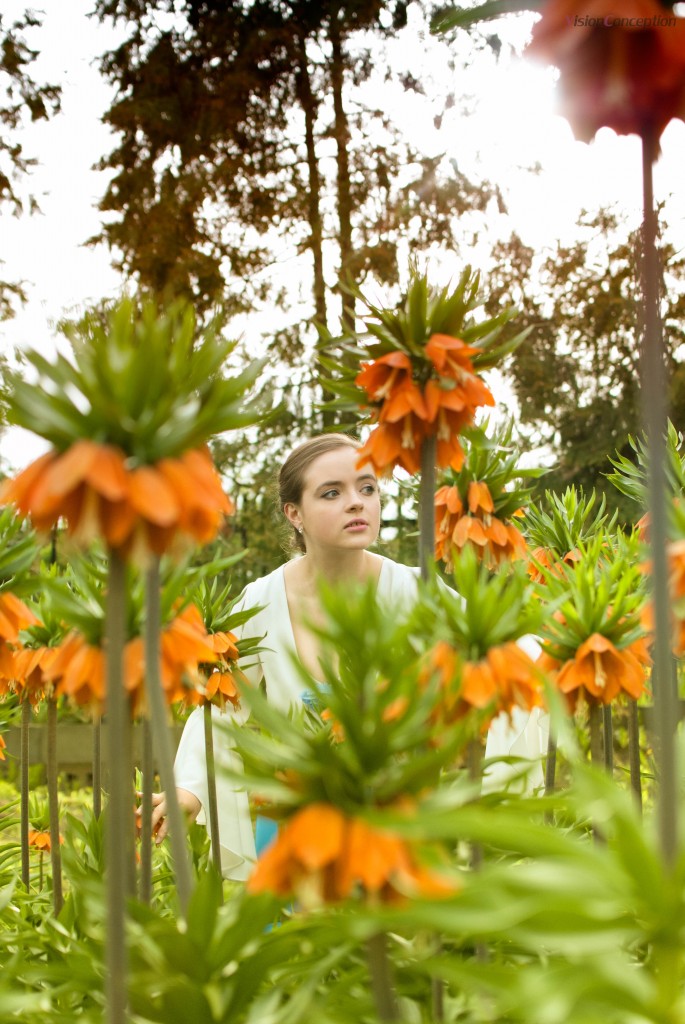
[
  {"x": 97, "y": 764},
  {"x": 551, "y": 763},
  {"x": 120, "y": 801},
  {"x": 211, "y": 789},
  {"x": 634, "y": 751},
  {"x": 53, "y": 806},
  {"x": 161, "y": 738},
  {"x": 145, "y": 889},
  {"x": 24, "y": 792},
  {"x": 427, "y": 506},
  {"x": 381, "y": 978},
  {"x": 654, "y": 389}
]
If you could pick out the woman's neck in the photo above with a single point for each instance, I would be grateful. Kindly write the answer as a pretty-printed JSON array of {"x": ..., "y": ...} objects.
[{"x": 353, "y": 566}]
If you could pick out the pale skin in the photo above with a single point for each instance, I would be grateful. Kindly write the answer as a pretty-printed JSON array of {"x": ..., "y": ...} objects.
[{"x": 339, "y": 517}]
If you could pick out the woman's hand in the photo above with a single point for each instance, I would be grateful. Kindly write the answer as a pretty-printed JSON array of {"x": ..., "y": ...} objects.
[{"x": 188, "y": 803}]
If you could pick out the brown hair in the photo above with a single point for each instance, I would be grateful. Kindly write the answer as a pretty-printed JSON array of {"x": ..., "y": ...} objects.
[{"x": 292, "y": 472}]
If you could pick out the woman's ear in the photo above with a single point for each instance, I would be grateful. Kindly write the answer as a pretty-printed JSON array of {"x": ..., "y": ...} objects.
[{"x": 292, "y": 514}]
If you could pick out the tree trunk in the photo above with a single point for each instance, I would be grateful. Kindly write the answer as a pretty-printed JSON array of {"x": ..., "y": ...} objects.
[
  {"x": 310, "y": 106},
  {"x": 341, "y": 132}
]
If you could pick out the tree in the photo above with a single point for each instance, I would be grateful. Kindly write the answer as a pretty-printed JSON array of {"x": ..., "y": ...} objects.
[
  {"x": 576, "y": 376},
  {"x": 21, "y": 98},
  {"x": 240, "y": 133}
]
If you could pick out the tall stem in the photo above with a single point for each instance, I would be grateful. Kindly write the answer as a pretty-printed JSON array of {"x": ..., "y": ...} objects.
[
  {"x": 381, "y": 978},
  {"x": 120, "y": 801},
  {"x": 634, "y": 751},
  {"x": 427, "y": 506},
  {"x": 655, "y": 413},
  {"x": 53, "y": 807},
  {"x": 24, "y": 791},
  {"x": 97, "y": 764},
  {"x": 147, "y": 770},
  {"x": 161, "y": 738},
  {"x": 211, "y": 789}
]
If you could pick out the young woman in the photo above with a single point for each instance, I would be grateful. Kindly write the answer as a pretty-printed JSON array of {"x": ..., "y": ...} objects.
[{"x": 334, "y": 511}]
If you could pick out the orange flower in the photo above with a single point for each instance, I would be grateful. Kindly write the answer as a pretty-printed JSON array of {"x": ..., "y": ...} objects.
[
  {"x": 138, "y": 510},
  {"x": 221, "y": 689},
  {"x": 323, "y": 856},
  {"x": 490, "y": 538},
  {"x": 40, "y": 840},
  {"x": 406, "y": 415},
  {"x": 32, "y": 671},
  {"x": 185, "y": 647},
  {"x": 505, "y": 678},
  {"x": 77, "y": 669},
  {"x": 14, "y": 616},
  {"x": 392, "y": 444},
  {"x": 3, "y": 747},
  {"x": 380, "y": 377},
  {"x": 625, "y": 72},
  {"x": 600, "y": 672},
  {"x": 676, "y": 582}
]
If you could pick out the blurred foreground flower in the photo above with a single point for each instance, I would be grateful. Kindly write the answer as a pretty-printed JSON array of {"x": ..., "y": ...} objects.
[
  {"x": 324, "y": 856},
  {"x": 128, "y": 418},
  {"x": 621, "y": 66}
]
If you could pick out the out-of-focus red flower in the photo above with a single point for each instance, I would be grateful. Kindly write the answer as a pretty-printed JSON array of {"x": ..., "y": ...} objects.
[
  {"x": 622, "y": 66},
  {"x": 322, "y": 855}
]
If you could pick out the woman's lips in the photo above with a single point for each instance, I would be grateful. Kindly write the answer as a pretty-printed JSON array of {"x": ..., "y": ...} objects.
[{"x": 356, "y": 525}]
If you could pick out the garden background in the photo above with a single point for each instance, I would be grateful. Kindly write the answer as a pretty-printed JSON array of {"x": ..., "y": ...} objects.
[{"x": 260, "y": 162}]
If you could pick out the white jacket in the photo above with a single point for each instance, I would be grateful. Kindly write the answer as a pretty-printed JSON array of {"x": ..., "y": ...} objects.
[{"x": 397, "y": 587}]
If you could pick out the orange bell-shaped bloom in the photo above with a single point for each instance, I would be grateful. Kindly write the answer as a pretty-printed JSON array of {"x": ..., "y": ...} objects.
[
  {"x": 621, "y": 66},
  {"x": 14, "y": 616},
  {"x": 600, "y": 672},
  {"x": 134, "y": 510},
  {"x": 77, "y": 669},
  {"x": 321, "y": 855}
]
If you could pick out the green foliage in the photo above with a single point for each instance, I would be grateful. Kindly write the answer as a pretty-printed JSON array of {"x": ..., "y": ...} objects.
[
  {"x": 576, "y": 376},
  {"x": 423, "y": 310},
  {"x": 604, "y": 592},
  {"x": 18, "y": 551},
  {"x": 143, "y": 381},
  {"x": 493, "y": 459},
  {"x": 567, "y": 522}
]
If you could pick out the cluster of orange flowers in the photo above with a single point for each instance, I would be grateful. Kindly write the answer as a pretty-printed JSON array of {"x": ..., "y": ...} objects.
[
  {"x": 621, "y": 65},
  {"x": 600, "y": 672},
  {"x": 77, "y": 669},
  {"x": 505, "y": 678},
  {"x": 406, "y": 414},
  {"x": 15, "y": 616},
  {"x": 134, "y": 511},
  {"x": 477, "y": 526},
  {"x": 323, "y": 856},
  {"x": 220, "y": 688}
]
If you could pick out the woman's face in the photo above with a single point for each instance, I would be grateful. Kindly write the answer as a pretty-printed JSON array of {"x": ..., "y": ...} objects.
[{"x": 340, "y": 505}]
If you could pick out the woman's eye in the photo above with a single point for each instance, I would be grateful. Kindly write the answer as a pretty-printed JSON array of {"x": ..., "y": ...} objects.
[
  {"x": 368, "y": 489},
  {"x": 329, "y": 494}
]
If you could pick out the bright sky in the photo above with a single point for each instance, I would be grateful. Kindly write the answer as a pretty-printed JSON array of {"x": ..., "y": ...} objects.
[{"x": 512, "y": 126}]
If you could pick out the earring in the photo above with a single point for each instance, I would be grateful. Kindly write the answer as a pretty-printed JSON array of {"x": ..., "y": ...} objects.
[{"x": 299, "y": 529}]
